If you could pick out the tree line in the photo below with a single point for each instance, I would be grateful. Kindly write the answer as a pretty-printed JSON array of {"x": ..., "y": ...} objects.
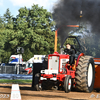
[{"x": 31, "y": 29}]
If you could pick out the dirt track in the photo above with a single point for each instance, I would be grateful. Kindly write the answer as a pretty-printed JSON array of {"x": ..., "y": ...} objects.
[{"x": 28, "y": 94}]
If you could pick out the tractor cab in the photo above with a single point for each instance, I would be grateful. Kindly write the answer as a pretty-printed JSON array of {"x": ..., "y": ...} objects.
[{"x": 75, "y": 45}]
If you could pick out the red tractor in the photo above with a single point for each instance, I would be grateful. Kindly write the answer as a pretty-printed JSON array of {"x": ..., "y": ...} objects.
[{"x": 59, "y": 74}]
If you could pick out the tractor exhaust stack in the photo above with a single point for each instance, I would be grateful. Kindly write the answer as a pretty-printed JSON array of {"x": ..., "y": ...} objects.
[{"x": 55, "y": 47}]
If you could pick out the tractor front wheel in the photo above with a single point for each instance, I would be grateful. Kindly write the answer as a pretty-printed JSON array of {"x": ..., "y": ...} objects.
[{"x": 67, "y": 83}]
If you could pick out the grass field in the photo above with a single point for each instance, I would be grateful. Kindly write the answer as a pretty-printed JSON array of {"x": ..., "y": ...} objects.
[{"x": 16, "y": 81}]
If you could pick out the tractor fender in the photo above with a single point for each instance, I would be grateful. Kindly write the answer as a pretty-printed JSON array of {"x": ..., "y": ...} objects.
[{"x": 82, "y": 54}]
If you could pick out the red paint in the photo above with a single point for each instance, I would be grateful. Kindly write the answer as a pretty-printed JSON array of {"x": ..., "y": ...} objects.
[
  {"x": 47, "y": 76},
  {"x": 29, "y": 70},
  {"x": 13, "y": 57},
  {"x": 82, "y": 54}
]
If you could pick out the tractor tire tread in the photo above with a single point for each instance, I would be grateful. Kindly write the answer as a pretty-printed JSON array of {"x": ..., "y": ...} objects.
[{"x": 81, "y": 74}]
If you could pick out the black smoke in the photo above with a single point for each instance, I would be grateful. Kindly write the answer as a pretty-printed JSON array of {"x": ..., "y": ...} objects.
[{"x": 67, "y": 12}]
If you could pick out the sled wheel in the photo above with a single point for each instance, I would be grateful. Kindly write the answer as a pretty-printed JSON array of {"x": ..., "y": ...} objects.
[{"x": 37, "y": 86}]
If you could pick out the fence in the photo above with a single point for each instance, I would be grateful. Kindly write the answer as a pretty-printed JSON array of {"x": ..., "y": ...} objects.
[
  {"x": 15, "y": 76},
  {"x": 11, "y": 69}
]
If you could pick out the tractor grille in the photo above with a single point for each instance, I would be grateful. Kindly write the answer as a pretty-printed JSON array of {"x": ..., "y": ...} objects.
[
  {"x": 63, "y": 63},
  {"x": 54, "y": 63}
]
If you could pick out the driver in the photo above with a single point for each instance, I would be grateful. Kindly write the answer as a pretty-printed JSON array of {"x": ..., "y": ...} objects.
[{"x": 71, "y": 51}]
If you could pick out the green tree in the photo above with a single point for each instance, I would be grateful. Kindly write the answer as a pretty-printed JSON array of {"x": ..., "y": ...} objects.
[
  {"x": 34, "y": 31},
  {"x": 30, "y": 29},
  {"x": 6, "y": 31}
]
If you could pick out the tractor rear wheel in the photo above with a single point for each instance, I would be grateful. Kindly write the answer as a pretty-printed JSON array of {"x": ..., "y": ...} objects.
[
  {"x": 85, "y": 74},
  {"x": 67, "y": 83}
]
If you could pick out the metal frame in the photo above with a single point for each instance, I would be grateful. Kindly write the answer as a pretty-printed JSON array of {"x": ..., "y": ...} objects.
[{"x": 71, "y": 37}]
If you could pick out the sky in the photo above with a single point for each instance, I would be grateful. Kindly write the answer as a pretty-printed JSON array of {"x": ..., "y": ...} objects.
[{"x": 15, "y": 5}]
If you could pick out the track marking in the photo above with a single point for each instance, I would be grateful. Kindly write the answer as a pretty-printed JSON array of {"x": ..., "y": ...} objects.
[{"x": 15, "y": 92}]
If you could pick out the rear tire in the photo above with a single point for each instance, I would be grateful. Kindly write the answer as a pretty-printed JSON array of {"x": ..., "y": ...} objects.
[
  {"x": 67, "y": 83},
  {"x": 85, "y": 74},
  {"x": 37, "y": 86}
]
